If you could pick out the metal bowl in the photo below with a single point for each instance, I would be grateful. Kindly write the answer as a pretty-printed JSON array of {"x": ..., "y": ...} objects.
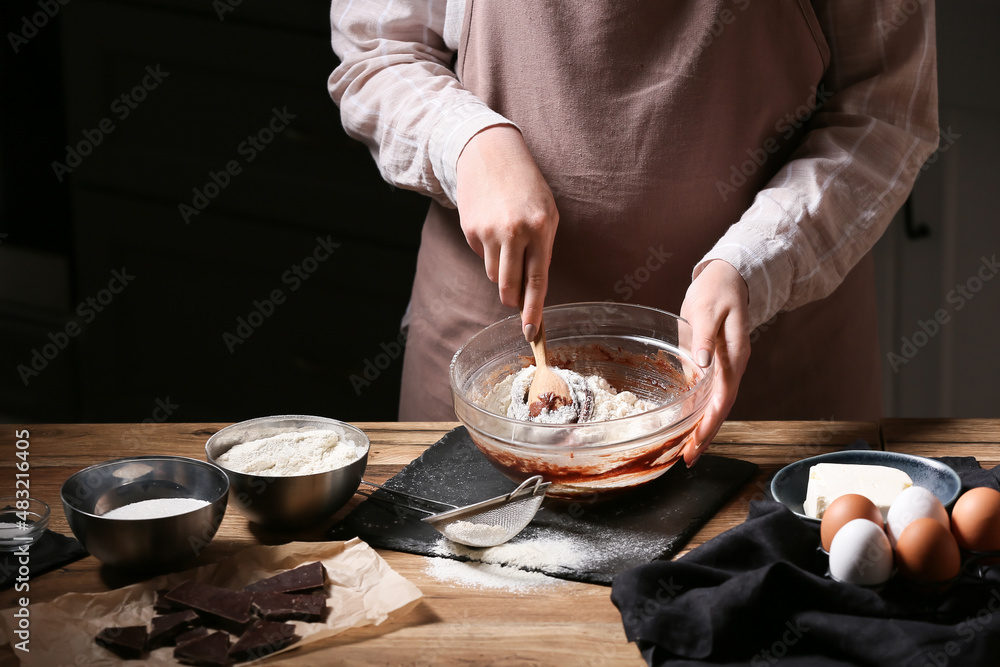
[
  {"x": 639, "y": 349},
  {"x": 153, "y": 544},
  {"x": 294, "y": 501}
]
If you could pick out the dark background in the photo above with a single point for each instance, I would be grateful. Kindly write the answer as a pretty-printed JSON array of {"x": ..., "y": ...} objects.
[{"x": 330, "y": 347}]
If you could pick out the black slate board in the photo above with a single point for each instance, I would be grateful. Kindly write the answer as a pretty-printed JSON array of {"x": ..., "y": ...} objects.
[{"x": 608, "y": 536}]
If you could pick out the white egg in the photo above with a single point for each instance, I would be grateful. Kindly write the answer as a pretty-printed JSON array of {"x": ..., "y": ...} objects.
[
  {"x": 861, "y": 554},
  {"x": 913, "y": 503}
]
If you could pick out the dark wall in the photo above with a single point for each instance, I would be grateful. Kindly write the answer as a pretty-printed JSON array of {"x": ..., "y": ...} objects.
[{"x": 185, "y": 230}]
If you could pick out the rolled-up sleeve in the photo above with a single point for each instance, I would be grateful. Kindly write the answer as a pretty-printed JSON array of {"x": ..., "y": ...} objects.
[
  {"x": 398, "y": 94},
  {"x": 828, "y": 205}
]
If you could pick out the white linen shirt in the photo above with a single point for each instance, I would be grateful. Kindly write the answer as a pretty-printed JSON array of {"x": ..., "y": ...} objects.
[{"x": 815, "y": 219}]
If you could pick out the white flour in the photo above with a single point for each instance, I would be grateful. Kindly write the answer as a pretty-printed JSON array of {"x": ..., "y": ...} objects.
[
  {"x": 593, "y": 399},
  {"x": 291, "y": 454},
  {"x": 476, "y": 533},
  {"x": 156, "y": 508},
  {"x": 545, "y": 554},
  {"x": 489, "y": 576}
]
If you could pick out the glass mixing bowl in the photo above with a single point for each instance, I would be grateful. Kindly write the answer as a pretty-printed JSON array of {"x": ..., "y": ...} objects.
[{"x": 636, "y": 348}]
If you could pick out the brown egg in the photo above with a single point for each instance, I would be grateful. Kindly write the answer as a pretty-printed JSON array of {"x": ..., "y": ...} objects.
[
  {"x": 975, "y": 519},
  {"x": 843, "y": 509},
  {"x": 926, "y": 552}
]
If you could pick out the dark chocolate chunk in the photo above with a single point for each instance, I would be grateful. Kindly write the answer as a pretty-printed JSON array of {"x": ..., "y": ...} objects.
[
  {"x": 289, "y": 606},
  {"x": 302, "y": 578},
  {"x": 126, "y": 642},
  {"x": 194, "y": 633},
  {"x": 261, "y": 639},
  {"x": 209, "y": 651},
  {"x": 161, "y": 605},
  {"x": 221, "y": 607},
  {"x": 165, "y": 629}
]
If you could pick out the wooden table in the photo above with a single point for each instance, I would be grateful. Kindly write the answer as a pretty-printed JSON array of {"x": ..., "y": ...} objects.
[{"x": 570, "y": 623}]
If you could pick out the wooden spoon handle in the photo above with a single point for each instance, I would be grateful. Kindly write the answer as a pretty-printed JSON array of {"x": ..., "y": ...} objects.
[{"x": 538, "y": 347}]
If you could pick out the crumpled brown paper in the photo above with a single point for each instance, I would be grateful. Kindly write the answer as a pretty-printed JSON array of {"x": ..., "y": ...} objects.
[{"x": 363, "y": 590}]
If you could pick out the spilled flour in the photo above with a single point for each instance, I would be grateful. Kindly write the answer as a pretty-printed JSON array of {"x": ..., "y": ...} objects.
[
  {"x": 552, "y": 555},
  {"x": 489, "y": 576}
]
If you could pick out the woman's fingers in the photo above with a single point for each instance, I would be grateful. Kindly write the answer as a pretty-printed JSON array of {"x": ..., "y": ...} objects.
[
  {"x": 716, "y": 308},
  {"x": 509, "y": 217}
]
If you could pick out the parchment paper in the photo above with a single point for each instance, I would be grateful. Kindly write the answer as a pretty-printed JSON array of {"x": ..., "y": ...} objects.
[{"x": 363, "y": 590}]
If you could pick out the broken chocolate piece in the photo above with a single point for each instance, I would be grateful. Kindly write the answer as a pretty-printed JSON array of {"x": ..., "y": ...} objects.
[
  {"x": 194, "y": 633},
  {"x": 165, "y": 629},
  {"x": 289, "y": 606},
  {"x": 302, "y": 578},
  {"x": 126, "y": 642},
  {"x": 262, "y": 639},
  {"x": 161, "y": 605},
  {"x": 227, "y": 609},
  {"x": 209, "y": 651}
]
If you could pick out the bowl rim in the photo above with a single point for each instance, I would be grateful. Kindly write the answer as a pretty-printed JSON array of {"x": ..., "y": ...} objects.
[
  {"x": 708, "y": 377},
  {"x": 43, "y": 517},
  {"x": 224, "y": 495},
  {"x": 255, "y": 420},
  {"x": 878, "y": 457}
]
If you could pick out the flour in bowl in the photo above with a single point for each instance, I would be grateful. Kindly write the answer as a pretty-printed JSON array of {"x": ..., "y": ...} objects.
[
  {"x": 292, "y": 454},
  {"x": 593, "y": 399}
]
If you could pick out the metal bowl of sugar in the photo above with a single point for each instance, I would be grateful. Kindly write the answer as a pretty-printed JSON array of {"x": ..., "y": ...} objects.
[
  {"x": 290, "y": 471},
  {"x": 146, "y": 513}
]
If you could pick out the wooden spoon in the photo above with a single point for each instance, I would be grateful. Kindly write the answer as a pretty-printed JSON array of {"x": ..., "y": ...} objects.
[{"x": 548, "y": 391}]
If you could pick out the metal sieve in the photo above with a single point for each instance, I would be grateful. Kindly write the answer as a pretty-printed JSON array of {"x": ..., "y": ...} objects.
[{"x": 484, "y": 524}]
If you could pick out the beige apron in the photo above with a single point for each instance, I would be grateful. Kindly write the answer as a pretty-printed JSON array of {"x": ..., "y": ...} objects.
[{"x": 634, "y": 112}]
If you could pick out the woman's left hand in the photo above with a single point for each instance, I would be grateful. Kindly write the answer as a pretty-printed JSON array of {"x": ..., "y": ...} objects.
[{"x": 716, "y": 306}]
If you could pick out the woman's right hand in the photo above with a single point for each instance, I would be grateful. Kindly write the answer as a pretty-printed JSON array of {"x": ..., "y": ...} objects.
[{"x": 509, "y": 218}]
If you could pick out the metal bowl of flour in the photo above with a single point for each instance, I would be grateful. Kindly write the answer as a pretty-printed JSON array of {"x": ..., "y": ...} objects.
[{"x": 287, "y": 502}]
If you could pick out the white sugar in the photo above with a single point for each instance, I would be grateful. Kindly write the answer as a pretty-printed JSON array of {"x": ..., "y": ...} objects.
[
  {"x": 291, "y": 454},
  {"x": 488, "y": 576},
  {"x": 156, "y": 508}
]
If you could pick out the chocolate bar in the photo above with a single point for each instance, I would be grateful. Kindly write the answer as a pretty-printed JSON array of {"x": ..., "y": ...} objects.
[
  {"x": 289, "y": 606},
  {"x": 165, "y": 629},
  {"x": 209, "y": 651},
  {"x": 127, "y": 642},
  {"x": 302, "y": 578},
  {"x": 263, "y": 638},
  {"x": 228, "y": 609}
]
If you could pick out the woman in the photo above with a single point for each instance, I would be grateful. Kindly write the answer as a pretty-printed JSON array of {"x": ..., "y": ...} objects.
[{"x": 735, "y": 160}]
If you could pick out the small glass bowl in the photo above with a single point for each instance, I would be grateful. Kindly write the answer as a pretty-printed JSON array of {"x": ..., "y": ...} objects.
[{"x": 22, "y": 522}]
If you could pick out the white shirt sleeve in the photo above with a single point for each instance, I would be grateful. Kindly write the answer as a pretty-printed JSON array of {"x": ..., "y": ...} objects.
[
  {"x": 829, "y": 204},
  {"x": 398, "y": 93}
]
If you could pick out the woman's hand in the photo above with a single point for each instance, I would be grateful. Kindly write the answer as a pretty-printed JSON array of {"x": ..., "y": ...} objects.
[
  {"x": 509, "y": 218},
  {"x": 716, "y": 306}
]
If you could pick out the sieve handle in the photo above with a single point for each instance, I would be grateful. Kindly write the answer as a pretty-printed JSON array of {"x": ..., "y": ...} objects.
[{"x": 404, "y": 495}]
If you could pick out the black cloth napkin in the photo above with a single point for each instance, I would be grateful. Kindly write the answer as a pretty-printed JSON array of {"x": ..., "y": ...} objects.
[
  {"x": 758, "y": 595},
  {"x": 50, "y": 551}
]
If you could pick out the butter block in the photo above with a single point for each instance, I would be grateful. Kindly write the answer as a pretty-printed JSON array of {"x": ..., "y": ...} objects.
[{"x": 829, "y": 481}]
